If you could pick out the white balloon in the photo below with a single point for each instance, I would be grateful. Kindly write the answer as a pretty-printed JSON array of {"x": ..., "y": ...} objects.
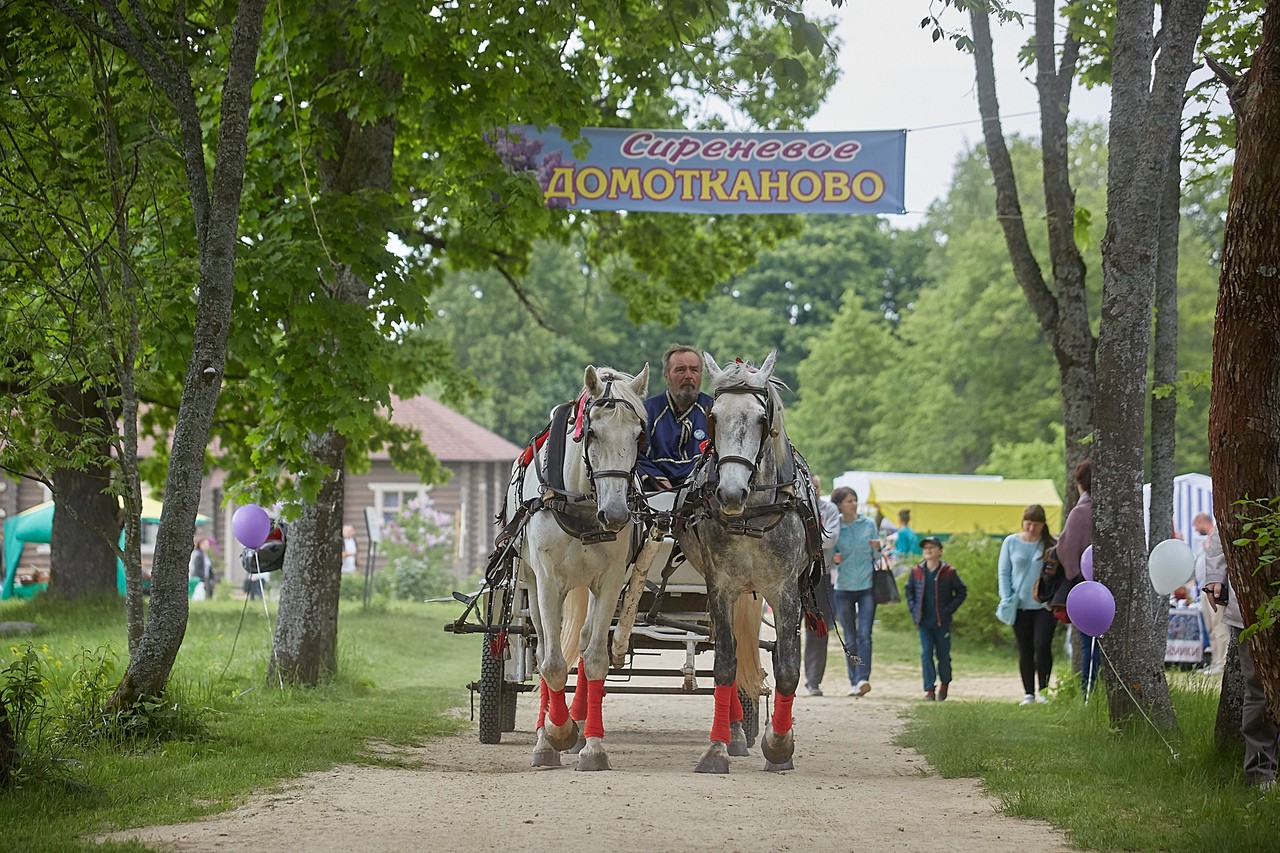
[{"x": 1170, "y": 565}]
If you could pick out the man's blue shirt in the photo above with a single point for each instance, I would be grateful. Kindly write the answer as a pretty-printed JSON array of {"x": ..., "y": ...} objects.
[{"x": 675, "y": 438}]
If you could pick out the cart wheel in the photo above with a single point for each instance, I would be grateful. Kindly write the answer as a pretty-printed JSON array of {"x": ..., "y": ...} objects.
[
  {"x": 491, "y": 695},
  {"x": 509, "y": 708},
  {"x": 750, "y": 716}
]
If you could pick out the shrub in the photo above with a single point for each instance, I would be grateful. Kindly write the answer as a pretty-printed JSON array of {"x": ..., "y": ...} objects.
[{"x": 419, "y": 545}]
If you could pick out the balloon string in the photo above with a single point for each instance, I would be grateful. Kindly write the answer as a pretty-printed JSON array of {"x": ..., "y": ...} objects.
[{"x": 1134, "y": 700}]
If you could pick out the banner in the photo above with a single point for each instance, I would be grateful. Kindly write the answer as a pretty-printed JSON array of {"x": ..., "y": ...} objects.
[{"x": 688, "y": 171}]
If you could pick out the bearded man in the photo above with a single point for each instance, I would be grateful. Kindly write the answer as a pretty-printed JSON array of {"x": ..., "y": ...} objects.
[{"x": 677, "y": 421}]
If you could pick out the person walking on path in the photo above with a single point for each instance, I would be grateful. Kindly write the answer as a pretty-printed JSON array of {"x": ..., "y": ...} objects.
[
  {"x": 856, "y": 552},
  {"x": 1021, "y": 559},
  {"x": 934, "y": 593},
  {"x": 815, "y": 643},
  {"x": 906, "y": 544}
]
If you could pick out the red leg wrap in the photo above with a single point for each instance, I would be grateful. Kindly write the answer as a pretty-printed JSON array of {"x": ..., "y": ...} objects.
[
  {"x": 542, "y": 705},
  {"x": 725, "y": 697},
  {"x": 557, "y": 710},
  {"x": 595, "y": 705},
  {"x": 735, "y": 709},
  {"x": 578, "y": 710},
  {"x": 782, "y": 713}
]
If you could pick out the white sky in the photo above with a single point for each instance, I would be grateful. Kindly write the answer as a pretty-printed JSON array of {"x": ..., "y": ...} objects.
[{"x": 894, "y": 76}]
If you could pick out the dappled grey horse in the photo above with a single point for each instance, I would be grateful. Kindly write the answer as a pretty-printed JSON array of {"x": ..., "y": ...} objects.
[{"x": 744, "y": 526}]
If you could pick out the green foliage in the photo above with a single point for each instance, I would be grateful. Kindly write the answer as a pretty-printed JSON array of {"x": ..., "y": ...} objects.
[
  {"x": 975, "y": 558},
  {"x": 1260, "y": 524}
]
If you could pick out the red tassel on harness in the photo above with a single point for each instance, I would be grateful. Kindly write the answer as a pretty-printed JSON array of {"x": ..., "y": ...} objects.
[
  {"x": 498, "y": 644},
  {"x": 580, "y": 419},
  {"x": 815, "y": 623}
]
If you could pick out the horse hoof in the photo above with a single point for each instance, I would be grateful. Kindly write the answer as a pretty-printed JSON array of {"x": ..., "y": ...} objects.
[
  {"x": 593, "y": 759},
  {"x": 579, "y": 746},
  {"x": 563, "y": 737},
  {"x": 777, "y": 748},
  {"x": 738, "y": 740},
  {"x": 715, "y": 759},
  {"x": 788, "y": 765},
  {"x": 546, "y": 758}
]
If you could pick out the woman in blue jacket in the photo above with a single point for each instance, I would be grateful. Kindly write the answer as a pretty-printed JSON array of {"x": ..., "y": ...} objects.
[{"x": 1021, "y": 558}]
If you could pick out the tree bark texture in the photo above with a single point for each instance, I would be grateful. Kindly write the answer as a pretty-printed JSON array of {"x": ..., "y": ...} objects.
[
  {"x": 1165, "y": 360},
  {"x": 1062, "y": 311},
  {"x": 306, "y": 638},
  {"x": 1146, "y": 102},
  {"x": 86, "y": 526},
  {"x": 1226, "y": 728},
  {"x": 1244, "y": 409},
  {"x": 217, "y": 209}
]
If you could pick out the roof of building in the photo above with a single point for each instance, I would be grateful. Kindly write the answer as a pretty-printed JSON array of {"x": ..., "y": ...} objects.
[{"x": 451, "y": 436}]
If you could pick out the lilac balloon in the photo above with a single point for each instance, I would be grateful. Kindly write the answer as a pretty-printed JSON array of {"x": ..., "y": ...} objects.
[
  {"x": 1091, "y": 607},
  {"x": 1086, "y": 563},
  {"x": 251, "y": 525}
]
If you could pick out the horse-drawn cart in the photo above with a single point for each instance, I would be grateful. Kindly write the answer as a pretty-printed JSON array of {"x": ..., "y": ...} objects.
[{"x": 667, "y": 631}]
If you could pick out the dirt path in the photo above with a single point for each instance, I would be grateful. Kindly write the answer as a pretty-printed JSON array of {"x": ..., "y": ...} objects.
[{"x": 852, "y": 789}]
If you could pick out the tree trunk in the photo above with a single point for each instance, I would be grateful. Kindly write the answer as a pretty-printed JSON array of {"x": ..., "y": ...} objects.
[
  {"x": 1164, "y": 407},
  {"x": 1226, "y": 728},
  {"x": 1064, "y": 317},
  {"x": 86, "y": 526},
  {"x": 1244, "y": 410},
  {"x": 305, "y": 647},
  {"x": 1145, "y": 112},
  {"x": 307, "y": 632},
  {"x": 217, "y": 210}
]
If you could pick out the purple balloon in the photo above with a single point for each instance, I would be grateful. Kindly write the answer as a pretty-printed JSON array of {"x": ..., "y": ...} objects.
[
  {"x": 251, "y": 525},
  {"x": 1091, "y": 607},
  {"x": 1086, "y": 563}
]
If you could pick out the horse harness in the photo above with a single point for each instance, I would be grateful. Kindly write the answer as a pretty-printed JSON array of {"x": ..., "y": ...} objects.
[{"x": 566, "y": 506}]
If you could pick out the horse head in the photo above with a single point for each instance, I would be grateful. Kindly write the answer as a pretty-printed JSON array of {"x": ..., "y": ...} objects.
[
  {"x": 746, "y": 422},
  {"x": 613, "y": 426}
]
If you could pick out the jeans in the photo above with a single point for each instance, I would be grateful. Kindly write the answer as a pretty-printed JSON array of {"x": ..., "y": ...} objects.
[
  {"x": 935, "y": 641},
  {"x": 856, "y": 613}
]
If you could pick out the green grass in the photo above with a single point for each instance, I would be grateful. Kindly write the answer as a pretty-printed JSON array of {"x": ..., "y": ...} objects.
[
  {"x": 1063, "y": 763},
  {"x": 399, "y": 674}
]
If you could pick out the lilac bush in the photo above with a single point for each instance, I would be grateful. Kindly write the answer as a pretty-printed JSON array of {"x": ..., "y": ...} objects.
[{"x": 419, "y": 546}]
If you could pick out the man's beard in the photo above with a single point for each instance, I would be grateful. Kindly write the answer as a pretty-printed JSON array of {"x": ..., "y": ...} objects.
[{"x": 684, "y": 397}]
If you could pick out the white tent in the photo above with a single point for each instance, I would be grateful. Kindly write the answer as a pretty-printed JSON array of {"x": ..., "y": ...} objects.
[{"x": 1192, "y": 493}]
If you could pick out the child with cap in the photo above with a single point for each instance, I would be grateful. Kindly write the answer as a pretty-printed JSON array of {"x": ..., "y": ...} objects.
[{"x": 934, "y": 593}]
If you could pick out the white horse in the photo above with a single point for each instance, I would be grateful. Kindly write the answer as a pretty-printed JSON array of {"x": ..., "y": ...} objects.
[
  {"x": 745, "y": 528},
  {"x": 580, "y": 533}
]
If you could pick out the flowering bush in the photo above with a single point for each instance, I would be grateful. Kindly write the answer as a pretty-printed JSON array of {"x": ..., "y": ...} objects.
[{"x": 419, "y": 546}]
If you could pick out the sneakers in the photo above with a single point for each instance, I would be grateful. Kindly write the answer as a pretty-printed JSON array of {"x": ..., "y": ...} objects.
[
  {"x": 814, "y": 691},
  {"x": 1042, "y": 699},
  {"x": 930, "y": 695},
  {"x": 1028, "y": 699},
  {"x": 862, "y": 688},
  {"x": 853, "y": 691},
  {"x": 942, "y": 691}
]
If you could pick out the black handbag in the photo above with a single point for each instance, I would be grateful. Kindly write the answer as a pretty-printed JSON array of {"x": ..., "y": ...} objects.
[{"x": 884, "y": 587}]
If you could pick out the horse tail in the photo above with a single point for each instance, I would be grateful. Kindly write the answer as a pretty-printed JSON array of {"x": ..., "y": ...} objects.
[
  {"x": 574, "y": 617},
  {"x": 748, "y": 614}
]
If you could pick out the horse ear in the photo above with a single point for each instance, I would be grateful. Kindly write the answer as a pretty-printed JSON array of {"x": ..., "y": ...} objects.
[
  {"x": 591, "y": 381},
  {"x": 769, "y": 362},
  {"x": 640, "y": 384},
  {"x": 713, "y": 369}
]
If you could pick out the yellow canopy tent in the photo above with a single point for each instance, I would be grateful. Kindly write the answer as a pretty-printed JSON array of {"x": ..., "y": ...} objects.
[{"x": 951, "y": 505}]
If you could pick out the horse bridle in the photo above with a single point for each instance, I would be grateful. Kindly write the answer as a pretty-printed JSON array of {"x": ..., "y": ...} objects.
[
  {"x": 766, "y": 427},
  {"x": 607, "y": 400}
]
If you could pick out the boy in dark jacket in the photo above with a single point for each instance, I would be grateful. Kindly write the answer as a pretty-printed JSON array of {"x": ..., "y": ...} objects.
[{"x": 934, "y": 593}]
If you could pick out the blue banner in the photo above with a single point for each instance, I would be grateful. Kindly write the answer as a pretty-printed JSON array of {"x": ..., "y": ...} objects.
[{"x": 689, "y": 171}]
